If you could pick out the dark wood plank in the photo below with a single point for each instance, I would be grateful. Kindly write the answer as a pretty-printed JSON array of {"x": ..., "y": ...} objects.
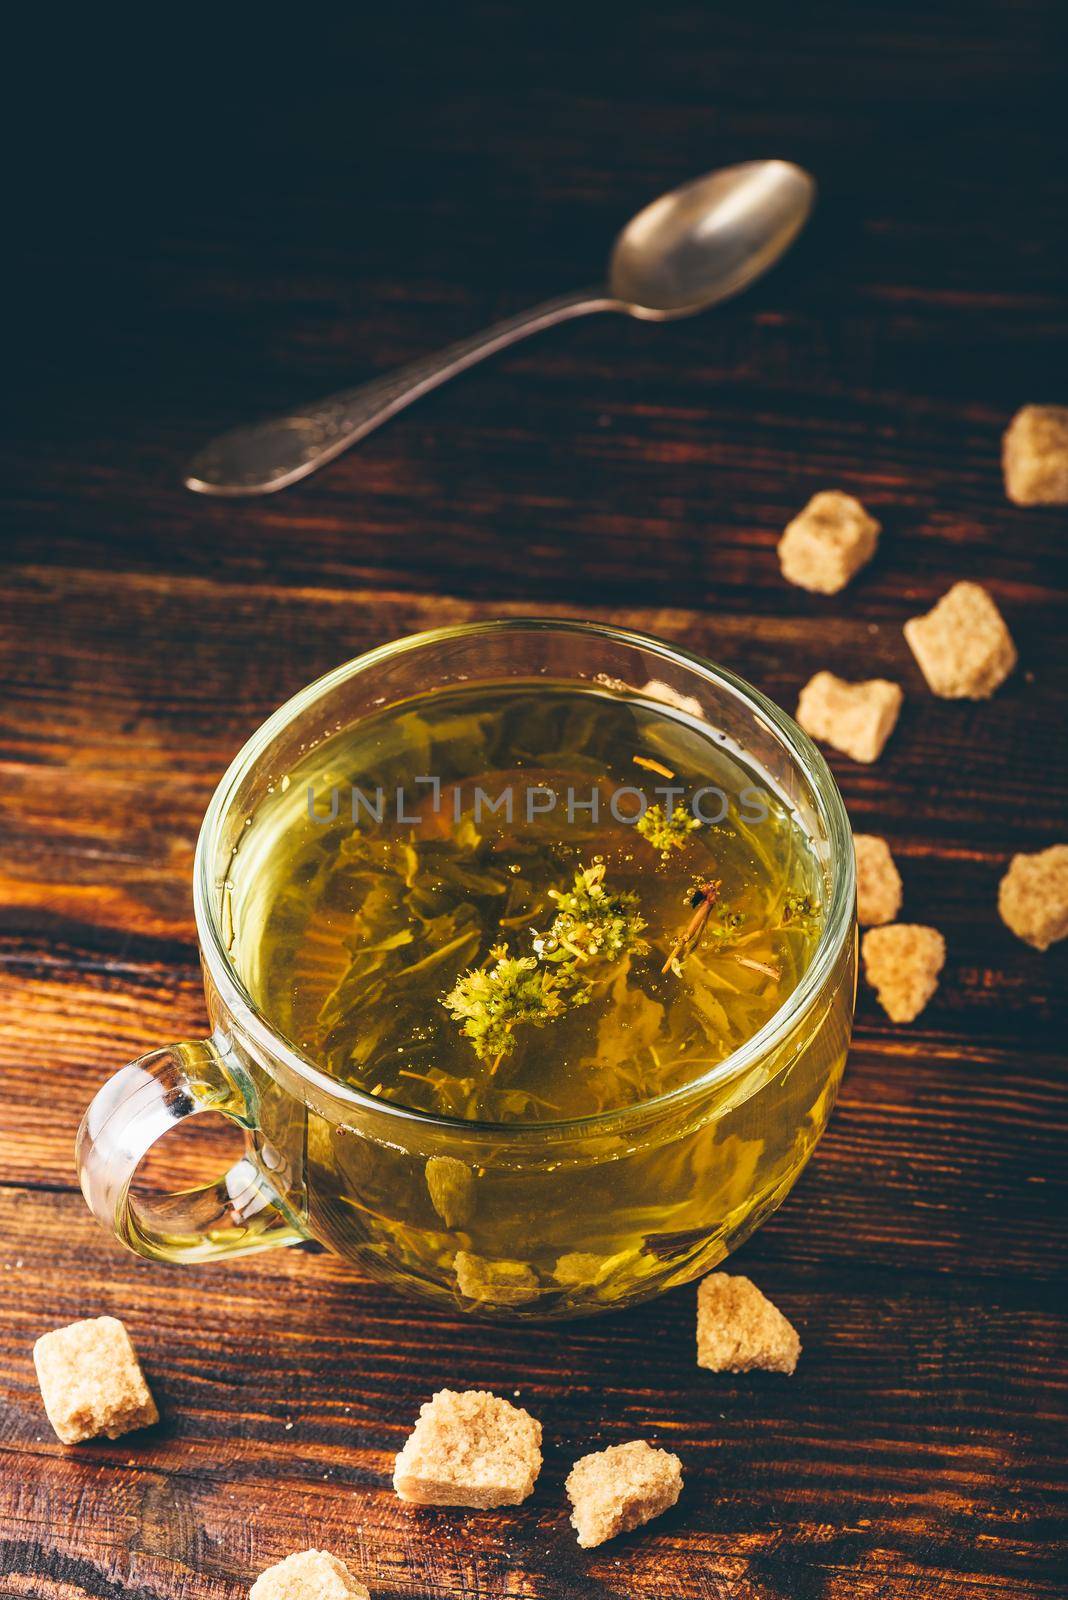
[
  {"x": 863, "y": 1461},
  {"x": 105, "y": 793}
]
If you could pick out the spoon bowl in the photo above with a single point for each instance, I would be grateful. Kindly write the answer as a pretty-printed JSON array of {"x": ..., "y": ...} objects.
[
  {"x": 695, "y": 246},
  {"x": 710, "y": 239}
]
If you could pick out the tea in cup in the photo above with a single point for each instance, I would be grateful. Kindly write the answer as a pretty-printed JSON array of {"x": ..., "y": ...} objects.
[{"x": 529, "y": 950}]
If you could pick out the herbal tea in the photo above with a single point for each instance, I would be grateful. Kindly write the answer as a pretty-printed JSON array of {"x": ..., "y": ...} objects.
[
  {"x": 519, "y": 905},
  {"x": 528, "y": 904}
]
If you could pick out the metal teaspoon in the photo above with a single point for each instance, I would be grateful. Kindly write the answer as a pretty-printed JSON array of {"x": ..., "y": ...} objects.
[{"x": 694, "y": 247}]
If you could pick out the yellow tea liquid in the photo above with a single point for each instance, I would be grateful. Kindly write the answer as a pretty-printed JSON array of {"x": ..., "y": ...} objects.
[{"x": 530, "y": 904}]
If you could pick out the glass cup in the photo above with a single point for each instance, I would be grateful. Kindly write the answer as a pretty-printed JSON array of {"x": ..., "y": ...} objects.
[{"x": 518, "y": 1220}]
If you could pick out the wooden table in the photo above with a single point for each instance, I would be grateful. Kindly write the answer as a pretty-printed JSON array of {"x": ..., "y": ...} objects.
[{"x": 223, "y": 247}]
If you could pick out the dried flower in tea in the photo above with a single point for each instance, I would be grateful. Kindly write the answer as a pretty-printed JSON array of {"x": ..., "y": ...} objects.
[
  {"x": 491, "y": 1002},
  {"x": 592, "y": 922},
  {"x": 666, "y": 833}
]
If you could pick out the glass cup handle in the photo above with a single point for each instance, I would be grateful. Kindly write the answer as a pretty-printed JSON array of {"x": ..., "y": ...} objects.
[{"x": 232, "y": 1216}]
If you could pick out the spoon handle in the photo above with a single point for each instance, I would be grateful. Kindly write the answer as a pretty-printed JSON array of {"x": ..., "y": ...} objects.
[{"x": 269, "y": 455}]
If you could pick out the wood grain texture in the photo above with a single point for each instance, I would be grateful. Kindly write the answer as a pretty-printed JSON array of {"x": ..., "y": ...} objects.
[{"x": 200, "y": 248}]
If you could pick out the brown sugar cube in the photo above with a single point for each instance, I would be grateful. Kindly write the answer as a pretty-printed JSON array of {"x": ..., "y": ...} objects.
[
  {"x": 495, "y": 1283},
  {"x": 856, "y": 718},
  {"x": 1034, "y": 454},
  {"x": 902, "y": 963},
  {"x": 615, "y": 1490},
  {"x": 469, "y": 1449},
  {"x": 878, "y": 881},
  {"x": 1033, "y": 896},
  {"x": 827, "y": 542},
  {"x": 739, "y": 1330},
  {"x": 963, "y": 646},
  {"x": 91, "y": 1381},
  {"x": 308, "y": 1575}
]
